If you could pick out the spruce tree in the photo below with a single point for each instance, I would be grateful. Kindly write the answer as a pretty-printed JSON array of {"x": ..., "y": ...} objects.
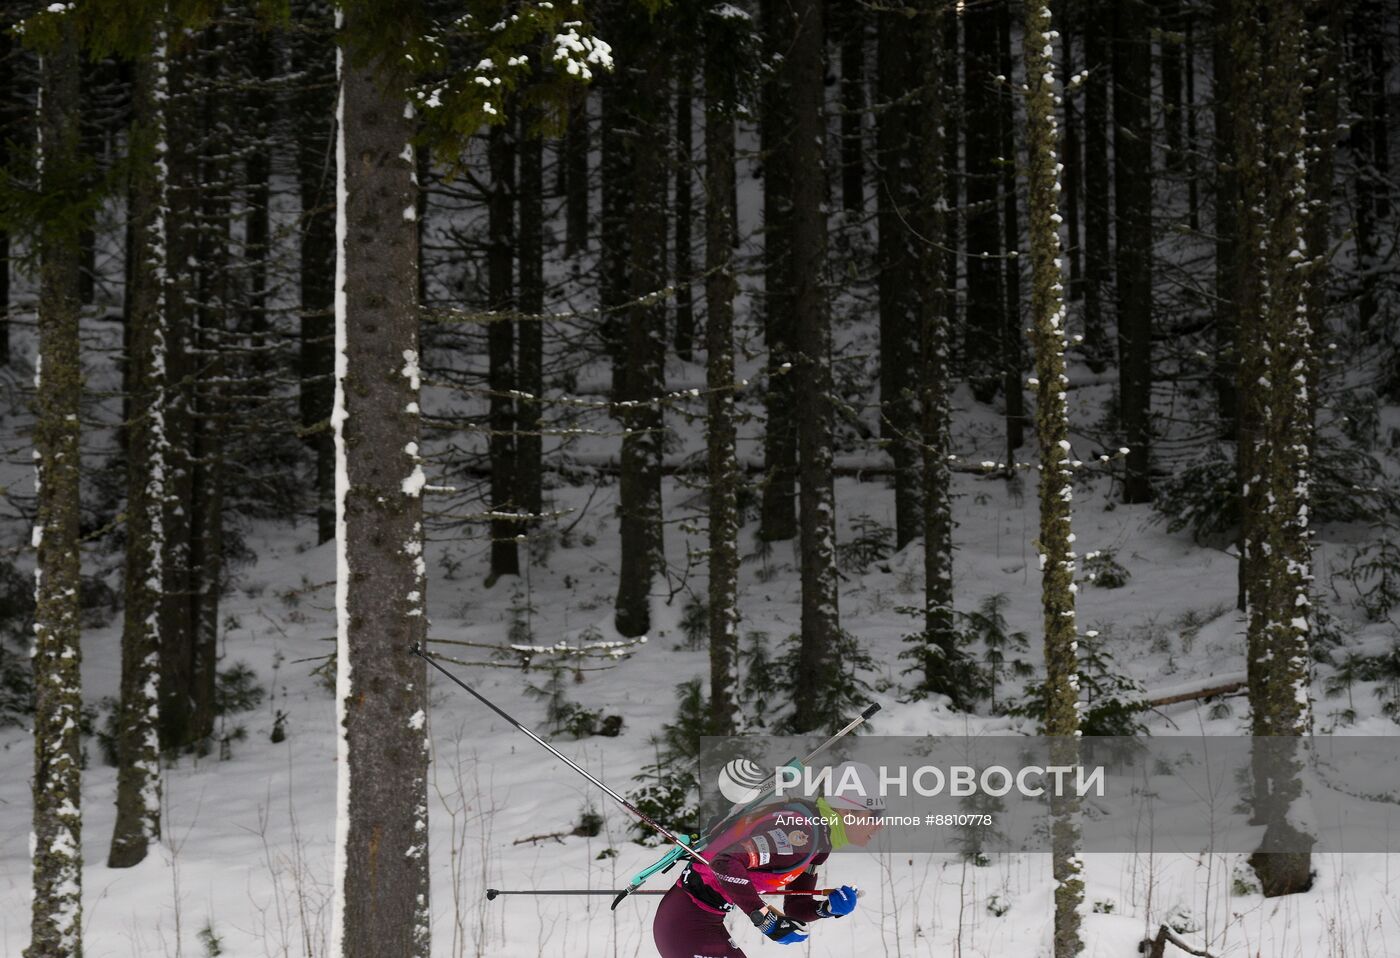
[
  {"x": 1057, "y": 560},
  {"x": 56, "y": 928},
  {"x": 138, "y": 747},
  {"x": 381, "y": 851},
  {"x": 639, "y": 488},
  {"x": 1132, "y": 155},
  {"x": 800, "y": 22},
  {"x": 1275, "y": 352},
  {"x": 725, "y": 33}
]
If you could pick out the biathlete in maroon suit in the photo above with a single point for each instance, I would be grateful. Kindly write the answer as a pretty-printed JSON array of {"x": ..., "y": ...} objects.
[{"x": 775, "y": 849}]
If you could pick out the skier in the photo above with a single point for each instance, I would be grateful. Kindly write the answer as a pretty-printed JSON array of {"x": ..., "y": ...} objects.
[{"x": 776, "y": 848}]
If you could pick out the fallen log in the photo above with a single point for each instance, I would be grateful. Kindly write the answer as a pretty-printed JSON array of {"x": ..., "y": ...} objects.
[
  {"x": 1195, "y": 694},
  {"x": 1157, "y": 947}
]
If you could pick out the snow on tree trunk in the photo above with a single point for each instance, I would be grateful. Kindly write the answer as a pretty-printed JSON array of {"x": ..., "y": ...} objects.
[
  {"x": 937, "y": 645},
  {"x": 56, "y": 841},
  {"x": 1057, "y": 559},
  {"x": 722, "y": 34},
  {"x": 817, "y": 668},
  {"x": 138, "y": 745},
  {"x": 381, "y": 874},
  {"x": 183, "y": 124},
  {"x": 209, "y": 419},
  {"x": 1275, "y": 353}
]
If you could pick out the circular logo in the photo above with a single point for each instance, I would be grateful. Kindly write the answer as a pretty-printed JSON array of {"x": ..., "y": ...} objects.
[{"x": 740, "y": 780}]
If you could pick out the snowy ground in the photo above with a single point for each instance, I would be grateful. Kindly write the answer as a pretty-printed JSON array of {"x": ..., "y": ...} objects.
[{"x": 248, "y": 841}]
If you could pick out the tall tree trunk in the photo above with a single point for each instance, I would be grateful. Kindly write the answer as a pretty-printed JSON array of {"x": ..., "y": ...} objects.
[
  {"x": 852, "y": 23},
  {"x": 1227, "y": 241},
  {"x": 1098, "y": 16},
  {"x": 800, "y": 23},
  {"x": 257, "y": 171},
  {"x": 56, "y": 928},
  {"x": 576, "y": 164},
  {"x": 138, "y": 746},
  {"x": 721, "y": 102},
  {"x": 615, "y": 214},
  {"x": 1169, "y": 17},
  {"x": 1012, "y": 353},
  {"x": 639, "y": 488},
  {"x": 937, "y": 645},
  {"x": 177, "y": 627},
  {"x": 1056, "y": 472},
  {"x": 953, "y": 113},
  {"x": 381, "y": 847},
  {"x": 1188, "y": 66},
  {"x": 315, "y": 101},
  {"x": 529, "y": 443},
  {"x": 9, "y": 108},
  {"x": 1132, "y": 154},
  {"x": 981, "y": 99},
  {"x": 1370, "y": 143},
  {"x": 778, "y": 512},
  {"x": 896, "y": 203},
  {"x": 1070, "y": 19},
  {"x": 208, "y": 415},
  {"x": 685, "y": 309},
  {"x": 500, "y": 348},
  {"x": 1275, "y": 344}
]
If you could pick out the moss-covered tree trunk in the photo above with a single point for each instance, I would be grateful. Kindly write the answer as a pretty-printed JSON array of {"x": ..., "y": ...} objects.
[
  {"x": 381, "y": 850},
  {"x": 138, "y": 746},
  {"x": 721, "y": 34},
  {"x": 56, "y": 928},
  {"x": 1057, "y": 559},
  {"x": 1275, "y": 349}
]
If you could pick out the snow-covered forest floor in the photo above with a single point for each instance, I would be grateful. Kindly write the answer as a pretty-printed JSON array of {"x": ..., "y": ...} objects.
[
  {"x": 244, "y": 869},
  {"x": 248, "y": 844}
]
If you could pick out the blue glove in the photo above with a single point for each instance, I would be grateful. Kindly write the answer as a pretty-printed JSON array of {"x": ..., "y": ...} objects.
[
  {"x": 780, "y": 928},
  {"x": 840, "y": 902}
]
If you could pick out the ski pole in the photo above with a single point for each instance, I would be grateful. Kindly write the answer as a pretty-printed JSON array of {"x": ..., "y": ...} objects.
[
  {"x": 640, "y": 815},
  {"x": 491, "y": 893}
]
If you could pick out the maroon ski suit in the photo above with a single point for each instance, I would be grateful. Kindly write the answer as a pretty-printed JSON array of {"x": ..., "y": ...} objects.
[{"x": 771, "y": 850}]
